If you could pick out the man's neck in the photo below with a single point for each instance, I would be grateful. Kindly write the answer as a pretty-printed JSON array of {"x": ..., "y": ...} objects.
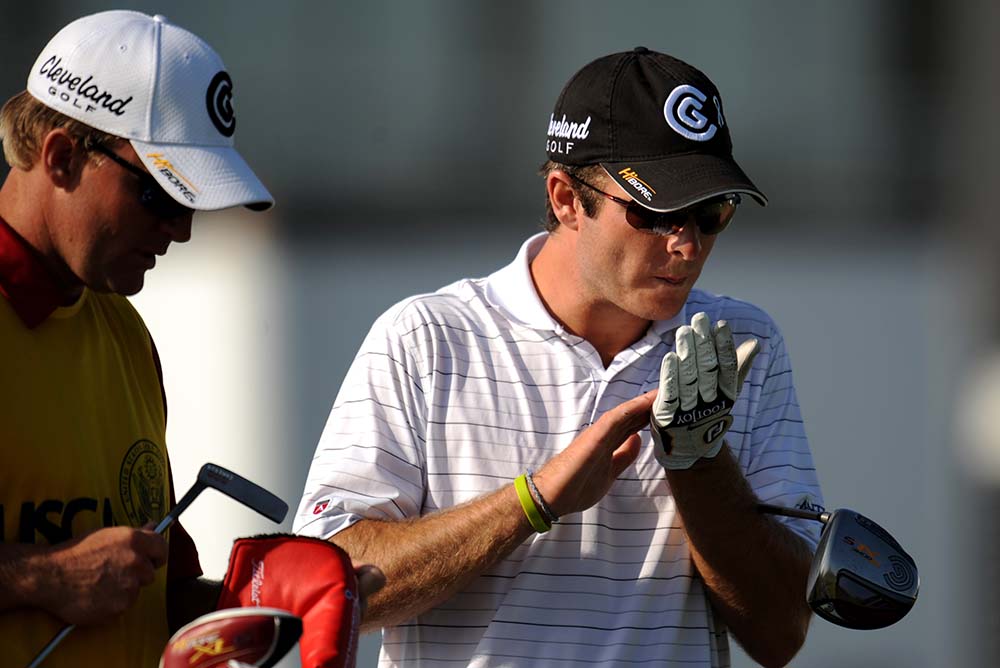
[
  {"x": 23, "y": 207},
  {"x": 602, "y": 324}
]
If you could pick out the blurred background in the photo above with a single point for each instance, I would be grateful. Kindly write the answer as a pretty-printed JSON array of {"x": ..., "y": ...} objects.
[{"x": 401, "y": 141}]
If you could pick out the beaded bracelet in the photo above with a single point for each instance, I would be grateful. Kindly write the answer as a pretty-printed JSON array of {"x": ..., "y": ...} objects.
[
  {"x": 535, "y": 518},
  {"x": 547, "y": 511}
]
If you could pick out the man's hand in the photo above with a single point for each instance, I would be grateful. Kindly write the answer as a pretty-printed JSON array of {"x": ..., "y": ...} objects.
[
  {"x": 580, "y": 476},
  {"x": 699, "y": 383},
  {"x": 479, "y": 533},
  {"x": 370, "y": 580},
  {"x": 98, "y": 576}
]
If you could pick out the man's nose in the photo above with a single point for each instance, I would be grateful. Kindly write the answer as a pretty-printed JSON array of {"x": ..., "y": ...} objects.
[
  {"x": 686, "y": 242},
  {"x": 179, "y": 228}
]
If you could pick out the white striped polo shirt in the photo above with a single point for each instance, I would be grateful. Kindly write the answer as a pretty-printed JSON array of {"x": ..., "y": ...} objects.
[{"x": 454, "y": 394}]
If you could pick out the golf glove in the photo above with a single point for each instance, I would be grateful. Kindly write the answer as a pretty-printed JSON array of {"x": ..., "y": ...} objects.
[{"x": 699, "y": 383}]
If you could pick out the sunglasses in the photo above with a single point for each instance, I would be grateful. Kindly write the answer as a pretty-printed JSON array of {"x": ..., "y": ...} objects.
[
  {"x": 711, "y": 216},
  {"x": 152, "y": 197}
]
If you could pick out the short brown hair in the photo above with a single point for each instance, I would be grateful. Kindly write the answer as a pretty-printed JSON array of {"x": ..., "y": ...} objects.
[
  {"x": 593, "y": 174},
  {"x": 24, "y": 122}
]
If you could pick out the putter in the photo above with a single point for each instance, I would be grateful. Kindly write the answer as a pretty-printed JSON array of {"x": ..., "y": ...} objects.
[
  {"x": 210, "y": 476},
  {"x": 860, "y": 577}
]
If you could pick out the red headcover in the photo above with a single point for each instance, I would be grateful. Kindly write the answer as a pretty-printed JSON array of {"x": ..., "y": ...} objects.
[{"x": 312, "y": 578}]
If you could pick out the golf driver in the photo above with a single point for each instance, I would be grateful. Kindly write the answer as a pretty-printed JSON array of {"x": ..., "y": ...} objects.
[
  {"x": 210, "y": 476},
  {"x": 244, "y": 637},
  {"x": 860, "y": 578}
]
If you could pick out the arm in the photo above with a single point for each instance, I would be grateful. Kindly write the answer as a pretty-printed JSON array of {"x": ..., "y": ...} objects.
[
  {"x": 478, "y": 534},
  {"x": 474, "y": 535},
  {"x": 754, "y": 568},
  {"x": 191, "y": 598},
  {"x": 87, "y": 580}
]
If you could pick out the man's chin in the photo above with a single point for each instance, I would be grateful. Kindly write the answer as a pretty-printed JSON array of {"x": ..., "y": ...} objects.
[
  {"x": 662, "y": 313},
  {"x": 125, "y": 286},
  {"x": 657, "y": 306}
]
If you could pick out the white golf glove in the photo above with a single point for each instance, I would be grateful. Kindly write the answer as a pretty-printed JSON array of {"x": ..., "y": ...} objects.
[{"x": 699, "y": 383}]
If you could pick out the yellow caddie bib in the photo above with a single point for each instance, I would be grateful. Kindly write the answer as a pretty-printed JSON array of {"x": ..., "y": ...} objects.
[{"x": 82, "y": 446}]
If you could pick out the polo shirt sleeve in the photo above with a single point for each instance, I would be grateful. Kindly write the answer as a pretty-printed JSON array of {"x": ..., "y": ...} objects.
[
  {"x": 369, "y": 463},
  {"x": 778, "y": 463}
]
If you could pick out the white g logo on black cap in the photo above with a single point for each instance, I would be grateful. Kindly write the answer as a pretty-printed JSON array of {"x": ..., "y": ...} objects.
[
  {"x": 219, "y": 100},
  {"x": 683, "y": 113}
]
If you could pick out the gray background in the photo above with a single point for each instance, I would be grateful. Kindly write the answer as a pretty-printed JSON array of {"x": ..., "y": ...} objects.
[{"x": 401, "y": 141}]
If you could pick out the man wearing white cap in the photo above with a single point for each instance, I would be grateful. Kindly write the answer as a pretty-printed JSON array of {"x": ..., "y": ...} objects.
[
  {"x": 125, "y": 130},
  {"x": 489, "y": 448}
]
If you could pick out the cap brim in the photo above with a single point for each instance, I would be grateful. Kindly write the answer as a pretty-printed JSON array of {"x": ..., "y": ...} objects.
[
  {"x": 205, "y": 178},
  {"x": 679, "y": 181}
]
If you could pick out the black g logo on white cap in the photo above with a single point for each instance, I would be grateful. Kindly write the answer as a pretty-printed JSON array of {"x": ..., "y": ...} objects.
[
  {"x": 220, "y": 104},
  {"x": 683, "y": 111}
]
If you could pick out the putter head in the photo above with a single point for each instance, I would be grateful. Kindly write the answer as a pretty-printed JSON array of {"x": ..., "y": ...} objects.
[
  {"x": 240, "y": 489},
  {"x": 861, "y": 577}
]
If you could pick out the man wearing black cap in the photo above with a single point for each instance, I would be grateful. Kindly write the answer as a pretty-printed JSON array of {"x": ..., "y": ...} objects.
[{"x": 488, "y": 449}]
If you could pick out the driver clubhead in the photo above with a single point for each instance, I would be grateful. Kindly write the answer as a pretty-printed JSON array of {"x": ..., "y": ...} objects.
[
  {"x": 234, "y": 637},
  {"x": 861, "y": 578}
]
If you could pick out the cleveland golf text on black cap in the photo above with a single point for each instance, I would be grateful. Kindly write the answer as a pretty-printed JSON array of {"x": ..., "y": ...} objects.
[{"x": 655, "y": 123}]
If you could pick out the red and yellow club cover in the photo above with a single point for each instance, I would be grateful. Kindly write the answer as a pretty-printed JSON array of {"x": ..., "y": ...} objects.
[
  {"x": 240, "y": 636},
  {"x": 311, "y": 578}
]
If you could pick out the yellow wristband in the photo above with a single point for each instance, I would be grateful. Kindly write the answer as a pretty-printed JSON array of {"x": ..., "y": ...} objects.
[{"x": 528, "y": 504}]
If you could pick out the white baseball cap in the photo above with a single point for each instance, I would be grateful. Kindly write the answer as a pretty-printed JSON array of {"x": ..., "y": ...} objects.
[{"x": 161, "y": 87}]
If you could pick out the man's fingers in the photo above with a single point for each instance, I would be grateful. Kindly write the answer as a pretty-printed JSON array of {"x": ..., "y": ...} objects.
[
  {"x": 708, "y": 362},
  {"x": 687, "y": 356},
  {"x": 727, "y": 359},
  {"x": 626, "y": 453},
  {"x": 370, "y": 579},
  {"x": 626, "y": 418},
  {"x": 745, "y": 355},
  {"x": 635, "y": 414},
  {"x": 580, "y": 475},
  {"x": 152, "y": 545},
  {"x": 144, "y": 573},
  {"x": 734, "y": 364},
  {"x": 668, "y": 398}
]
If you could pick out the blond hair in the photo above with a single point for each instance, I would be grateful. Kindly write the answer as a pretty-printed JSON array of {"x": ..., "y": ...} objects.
[{"x": 24, "y": 123}]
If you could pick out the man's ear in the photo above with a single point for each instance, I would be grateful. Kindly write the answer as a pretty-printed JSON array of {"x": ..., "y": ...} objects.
[
  {"x": 61, "y": 160},
  {"x": 562, "y": 197}
]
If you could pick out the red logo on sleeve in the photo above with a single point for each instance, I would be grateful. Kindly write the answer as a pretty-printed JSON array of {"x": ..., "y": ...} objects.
[{"x": 321, "y": 506}]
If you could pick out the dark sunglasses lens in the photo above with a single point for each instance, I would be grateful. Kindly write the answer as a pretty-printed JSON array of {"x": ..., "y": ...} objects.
[
  {"x": 711, "y": 217},
  {"x": 642, "y": 218},
  {"x": 158, "y": 202}
]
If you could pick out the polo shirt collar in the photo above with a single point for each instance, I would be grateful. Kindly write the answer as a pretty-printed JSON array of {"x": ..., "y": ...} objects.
[
  {"x": 24, "y": 281},
  {"x": 512, "y": 290}
]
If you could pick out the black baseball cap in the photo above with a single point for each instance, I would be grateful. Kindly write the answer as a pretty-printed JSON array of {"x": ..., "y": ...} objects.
[{"x": 655, "y": 124}]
